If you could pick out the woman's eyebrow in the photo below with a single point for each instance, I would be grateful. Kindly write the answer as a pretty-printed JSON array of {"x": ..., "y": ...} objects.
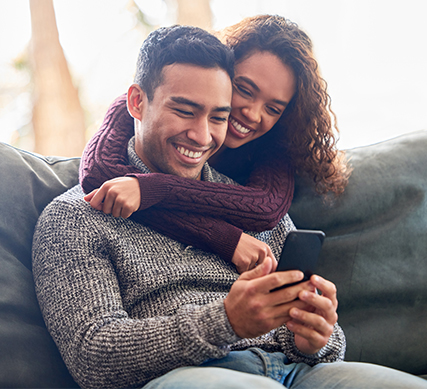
[
  {"x": 255, "y": 86},
  {"x": 249, "y": 81}
]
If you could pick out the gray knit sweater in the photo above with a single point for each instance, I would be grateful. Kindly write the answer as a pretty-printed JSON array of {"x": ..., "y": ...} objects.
[{"x": 126, "y": 304}]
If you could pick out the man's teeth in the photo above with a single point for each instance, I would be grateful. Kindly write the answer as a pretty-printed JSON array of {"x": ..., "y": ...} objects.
[
  {"x": 238, "y": 127},
  {"x": 188, "y": 153}
]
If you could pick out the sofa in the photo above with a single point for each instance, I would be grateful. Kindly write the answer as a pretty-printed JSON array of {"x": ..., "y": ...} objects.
[{"x": 375, "y": 252}]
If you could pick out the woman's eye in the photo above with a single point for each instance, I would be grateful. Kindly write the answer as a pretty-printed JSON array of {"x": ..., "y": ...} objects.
[
  {"x": 274, "y": 111},
  {"x": 243, "y": 90}
]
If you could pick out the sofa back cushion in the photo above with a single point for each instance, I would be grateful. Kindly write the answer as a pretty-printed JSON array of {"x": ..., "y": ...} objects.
[
  {"x": 376, "y": 251},
  {"x": 28, "y": 357}
]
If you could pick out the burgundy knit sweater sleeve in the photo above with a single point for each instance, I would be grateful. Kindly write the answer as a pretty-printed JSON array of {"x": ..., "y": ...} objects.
[
  {"x": 206, "y": 215},
  {"x": 105, "y": 155},
  {"x": 258, "y": 206}
]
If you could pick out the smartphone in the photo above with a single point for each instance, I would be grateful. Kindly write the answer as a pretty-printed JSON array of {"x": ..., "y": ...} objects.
[{"x": 301, "y": 252}]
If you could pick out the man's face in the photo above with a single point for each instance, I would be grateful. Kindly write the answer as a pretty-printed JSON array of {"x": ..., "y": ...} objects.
[{"x": 186, "y": 122}]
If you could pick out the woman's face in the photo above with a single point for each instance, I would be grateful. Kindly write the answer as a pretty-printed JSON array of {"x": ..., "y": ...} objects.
[{"x": 263, "y": 86}]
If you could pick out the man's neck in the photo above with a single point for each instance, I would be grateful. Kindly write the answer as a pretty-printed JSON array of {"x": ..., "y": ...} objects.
[{"x": 134, "y": 158}]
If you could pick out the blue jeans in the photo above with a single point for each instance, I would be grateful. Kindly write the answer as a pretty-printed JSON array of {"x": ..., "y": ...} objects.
[{"x": 255, "y": 368}]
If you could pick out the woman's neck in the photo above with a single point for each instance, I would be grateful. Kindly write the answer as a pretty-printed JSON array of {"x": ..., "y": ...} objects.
[{"x": 213, "y": 161}]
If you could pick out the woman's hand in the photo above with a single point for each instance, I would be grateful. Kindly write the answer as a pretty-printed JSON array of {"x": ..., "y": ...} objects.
[
  {"x": 251, "y": 252},
  {"x": 120, "y": 196},
  {"x": 314, "y": 326}
]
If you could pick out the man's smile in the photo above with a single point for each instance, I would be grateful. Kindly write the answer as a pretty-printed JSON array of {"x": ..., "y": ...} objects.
[{"x": 188, "y": 153}]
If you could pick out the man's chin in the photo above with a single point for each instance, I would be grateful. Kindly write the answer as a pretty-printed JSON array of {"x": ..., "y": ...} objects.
[{"x": 190, "y": 173}]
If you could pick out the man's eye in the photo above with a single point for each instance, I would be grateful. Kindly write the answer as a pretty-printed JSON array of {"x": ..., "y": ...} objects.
[
  {"x": 220, "y": 119},
  {"x": 186, "y": 113}
]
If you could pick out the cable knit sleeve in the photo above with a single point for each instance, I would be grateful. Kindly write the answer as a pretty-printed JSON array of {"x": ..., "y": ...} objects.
[
  {"x": 105, "y": 155},
  {"x": 258, "y": 206}
]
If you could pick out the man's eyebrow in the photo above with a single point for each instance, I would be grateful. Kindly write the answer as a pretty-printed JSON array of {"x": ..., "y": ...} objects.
[
  {"x": 255, "y": 86},
  {"x": 183, "y": 100},
  {"x": 226, "y": 108},
  {"x": 191, "y": 103}
]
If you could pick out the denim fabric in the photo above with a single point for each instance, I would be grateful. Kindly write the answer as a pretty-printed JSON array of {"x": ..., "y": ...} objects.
[{"x": 255, "y": 368}]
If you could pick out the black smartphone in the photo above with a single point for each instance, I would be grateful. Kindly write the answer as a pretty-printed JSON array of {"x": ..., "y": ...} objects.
[{"x": 301, "y": 252}]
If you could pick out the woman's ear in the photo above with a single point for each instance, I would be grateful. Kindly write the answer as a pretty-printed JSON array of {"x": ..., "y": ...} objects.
[{"x": 135, "y": 101}]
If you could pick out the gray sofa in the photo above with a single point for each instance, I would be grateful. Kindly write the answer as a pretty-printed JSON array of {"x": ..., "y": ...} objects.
[{"x": 375, "y": 252}]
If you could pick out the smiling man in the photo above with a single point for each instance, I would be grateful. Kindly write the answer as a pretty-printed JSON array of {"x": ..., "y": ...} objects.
[{"x": 183, "y": 125}]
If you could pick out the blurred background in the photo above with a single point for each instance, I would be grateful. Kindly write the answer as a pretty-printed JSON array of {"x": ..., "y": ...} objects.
[{"x": 62, "y": 62}]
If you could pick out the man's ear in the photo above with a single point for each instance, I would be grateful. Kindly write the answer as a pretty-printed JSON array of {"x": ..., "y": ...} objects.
[{"x": 135, "y": 101}]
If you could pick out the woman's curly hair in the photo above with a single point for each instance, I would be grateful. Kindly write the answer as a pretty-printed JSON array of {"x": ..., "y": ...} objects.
[{"x": 307, "y": 130}]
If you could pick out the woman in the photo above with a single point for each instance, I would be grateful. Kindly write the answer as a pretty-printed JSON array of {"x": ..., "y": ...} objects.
[{"x": 280, "y": 124}]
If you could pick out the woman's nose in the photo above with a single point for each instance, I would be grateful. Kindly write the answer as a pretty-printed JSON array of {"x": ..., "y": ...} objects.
[{"x": 252, "y": 113}]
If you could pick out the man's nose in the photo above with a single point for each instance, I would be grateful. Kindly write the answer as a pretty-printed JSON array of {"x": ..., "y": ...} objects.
[
  {"x": 200, "y": 132},
  {"x": 252, "y": 112}
]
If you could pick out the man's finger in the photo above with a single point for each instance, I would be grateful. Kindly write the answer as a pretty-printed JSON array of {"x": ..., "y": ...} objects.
[
  {"x": 327, "y": 288},
  {"x": 259, "y": 271}
]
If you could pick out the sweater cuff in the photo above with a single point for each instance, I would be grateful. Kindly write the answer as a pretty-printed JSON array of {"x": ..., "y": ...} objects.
[
  {"x": 225, "y": 241},
  {"x": 152, "y": 189},
  {"x": 333, "y": 351}
]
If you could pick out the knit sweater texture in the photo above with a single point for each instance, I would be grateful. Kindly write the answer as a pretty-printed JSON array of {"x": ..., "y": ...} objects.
[
  {"x": 209, "y": 216},
  {"x": 126, "y": 304}
]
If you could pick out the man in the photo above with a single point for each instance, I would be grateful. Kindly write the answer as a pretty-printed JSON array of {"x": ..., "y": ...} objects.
[{"x": 128, "y": 306}]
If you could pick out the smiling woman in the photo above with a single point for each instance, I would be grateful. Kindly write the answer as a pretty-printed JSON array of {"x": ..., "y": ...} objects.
[{"x": 261, "y": 95}]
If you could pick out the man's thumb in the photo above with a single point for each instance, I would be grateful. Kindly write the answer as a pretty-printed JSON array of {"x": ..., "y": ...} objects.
[{"x": 261, "y": 270}]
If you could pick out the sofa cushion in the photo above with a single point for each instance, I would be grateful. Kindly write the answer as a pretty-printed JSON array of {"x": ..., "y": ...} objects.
[
  {"x": 376, "y": 251},
  {"x": 28, "y": 357}
]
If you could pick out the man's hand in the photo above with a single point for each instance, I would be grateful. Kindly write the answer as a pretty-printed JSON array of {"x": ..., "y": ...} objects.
[
  {"x": 250, "y": 252},
  {"x": 120, "y": 196},
  {"x": 253, "y": 310},
  {"x": 313, "y": 326}
]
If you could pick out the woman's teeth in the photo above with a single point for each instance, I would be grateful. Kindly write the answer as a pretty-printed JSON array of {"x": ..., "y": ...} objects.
[
  {"x": 188, "y": 153},
  {"x": 238, "y": 127}
]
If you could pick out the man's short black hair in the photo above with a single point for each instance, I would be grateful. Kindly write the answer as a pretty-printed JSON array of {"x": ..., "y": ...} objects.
[{"x": 179, "y": 44}]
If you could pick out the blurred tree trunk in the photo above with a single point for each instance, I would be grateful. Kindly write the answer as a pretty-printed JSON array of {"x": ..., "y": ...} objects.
[
  {"x": 195, "y": 13},
  {"x": 58, "y": 118}
]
